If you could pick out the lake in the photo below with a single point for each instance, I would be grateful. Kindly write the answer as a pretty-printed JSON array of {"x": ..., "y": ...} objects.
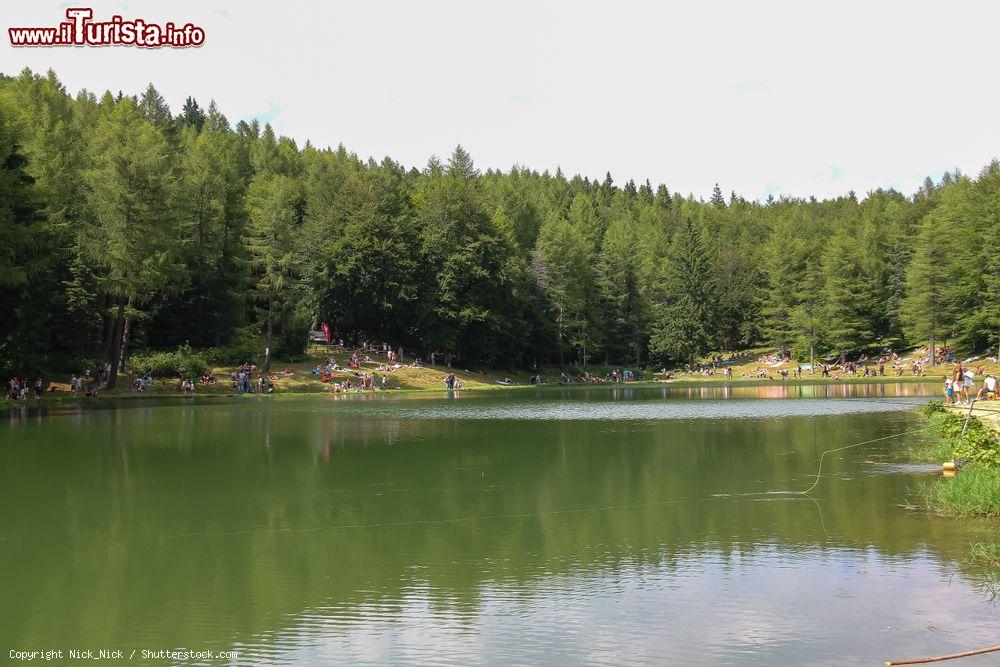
[{"x": 604, "y": 525}]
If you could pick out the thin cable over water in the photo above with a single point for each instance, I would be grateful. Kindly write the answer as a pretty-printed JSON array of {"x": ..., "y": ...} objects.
[{"x": 819, "y": 470}]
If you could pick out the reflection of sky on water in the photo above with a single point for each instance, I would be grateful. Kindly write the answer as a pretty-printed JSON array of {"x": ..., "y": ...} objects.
[
  {"x": 532, "y": 409},
  {"x": 760, "y": 608}
]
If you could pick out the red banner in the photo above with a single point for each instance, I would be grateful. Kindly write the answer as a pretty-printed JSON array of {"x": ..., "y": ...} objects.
[{"x": 326, "y": 332}]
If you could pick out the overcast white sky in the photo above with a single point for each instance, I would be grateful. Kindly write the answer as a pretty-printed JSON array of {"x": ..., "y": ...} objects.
[{"x": 785, "y": 97}]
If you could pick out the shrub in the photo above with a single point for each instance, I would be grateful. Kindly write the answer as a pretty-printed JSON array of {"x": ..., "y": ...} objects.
[
  {"x": 932, "y": 408},
  {"x": 293, "y": 338},
  {"x": 980, "y": 444},
  {"x": 184, "y": 362},
  {"x": 247, "y": 345},
  {"x": 189, "y": 364}
]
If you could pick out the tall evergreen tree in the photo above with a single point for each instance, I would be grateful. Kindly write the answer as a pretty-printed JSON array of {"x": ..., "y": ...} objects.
[
  {"x": 926, "y": 310},
  {"x": 22, "y": 238},
  {"x": 130, "y": 190},
  {"x": 683, "y": 327},
  {"x": 276, "y": 207}
]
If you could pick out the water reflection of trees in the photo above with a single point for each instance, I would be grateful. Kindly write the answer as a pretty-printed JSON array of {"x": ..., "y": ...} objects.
[{"x": 214, "y": 524}]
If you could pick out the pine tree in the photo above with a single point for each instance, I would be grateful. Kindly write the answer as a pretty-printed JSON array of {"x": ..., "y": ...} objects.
[
  {"x": 663, "y": 198},
  {"x": 192, "y": 114},
  {"x": 562, "y": 270},
  {"x": 717, "y": 200},
  {"x": 620, "y": 283},
  {"x": 133, "y": 242},
  {"x": 276, "y": 206},
  {"x": 848, "y": 302},
  {"x": 155, "y": 109},
  {"x": 683, "y": 328},
  {"x": 926, "y": 310},
  {"x": 22, "y": 235}
]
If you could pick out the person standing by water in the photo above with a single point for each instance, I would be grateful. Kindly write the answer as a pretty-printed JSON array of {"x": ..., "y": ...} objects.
[
  {"x": 968, "y": 381},
  {"x": 956, "y": 375}
]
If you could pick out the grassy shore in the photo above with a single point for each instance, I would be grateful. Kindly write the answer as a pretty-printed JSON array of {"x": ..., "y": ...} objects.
[
  {"x": 431, "y": 378},
  {"x": 975, "y": 490}
]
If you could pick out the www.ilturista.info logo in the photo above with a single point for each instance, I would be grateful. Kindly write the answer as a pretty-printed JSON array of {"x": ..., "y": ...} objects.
[{"x": 80, "y": 30}]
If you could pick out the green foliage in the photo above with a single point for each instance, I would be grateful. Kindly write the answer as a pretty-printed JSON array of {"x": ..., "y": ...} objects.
[
  {"x": 683, "y": 329},
  {"x": 932, "y": 408},
  {"x": 293, "y": 335},
  {"x": 122, "y": 223},
  {"x": 246, "y": 346},
  {"x": 980, "y": 444},
  {"x": 184, "y": 362},
  {"x": 975, "y": 491},
  {"x": 985, "y": 554},
  {"x": 22, "y": 234}
]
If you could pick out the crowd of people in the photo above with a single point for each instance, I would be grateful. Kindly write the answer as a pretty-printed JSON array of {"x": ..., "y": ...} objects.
[
  {"x": 21, "y": 388},
  {"x": 370, "y": 364},
  {"x": 356, "y": 378},
  {"x": 960, "y": 386},
  {"x": 243, "y": 381}
]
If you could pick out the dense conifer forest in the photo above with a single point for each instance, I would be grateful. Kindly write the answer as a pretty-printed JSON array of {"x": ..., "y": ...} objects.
[{"x": 127, "y": 226}]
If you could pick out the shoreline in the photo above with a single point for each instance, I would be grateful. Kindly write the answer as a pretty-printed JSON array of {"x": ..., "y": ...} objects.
[{"x": 172, "y": 390}]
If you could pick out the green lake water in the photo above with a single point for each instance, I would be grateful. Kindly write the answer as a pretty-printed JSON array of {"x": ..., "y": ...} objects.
[{"x": 602, "y": 525}]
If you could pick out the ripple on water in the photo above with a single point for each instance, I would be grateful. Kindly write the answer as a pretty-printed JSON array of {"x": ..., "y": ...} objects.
[
  {"x": 612, "y": 410},
  {"x": 706, "y": 608}
]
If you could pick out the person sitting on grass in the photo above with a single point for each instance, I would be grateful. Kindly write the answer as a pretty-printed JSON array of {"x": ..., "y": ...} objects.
[{"x": 989, "y": 389}]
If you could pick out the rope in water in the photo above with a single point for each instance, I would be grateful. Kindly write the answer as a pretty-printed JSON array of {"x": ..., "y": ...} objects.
[
  {"x": 951, "y": 656},
  {"x": 819, "y": 470}
]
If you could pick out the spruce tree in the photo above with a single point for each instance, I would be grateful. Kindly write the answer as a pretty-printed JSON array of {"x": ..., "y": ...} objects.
[
  {"x": 926, "y": 311},
  {"x": 683, "y": 327},
  {"x": 133, "y": 243},
  {"x": 717, "y": 200},
  {"x": 22, "y": 239}
]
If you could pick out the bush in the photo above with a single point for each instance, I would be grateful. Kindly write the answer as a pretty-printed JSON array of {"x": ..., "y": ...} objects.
[
  {"x": 184, "y": 362},
  {"x": 293, "y": 338},
  {"x": 932, "y": 408},
  {"x": 980, "y": 444},
  {"x": 247, "y": 345}
]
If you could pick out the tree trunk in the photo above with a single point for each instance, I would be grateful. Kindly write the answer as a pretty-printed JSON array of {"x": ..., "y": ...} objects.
[
  {"x": 109, "y": 327},
  {"x": 116, "y": 348},
  {"x": 270, "y": 336},
  {"x": 812, "y": 359},
  {"x": 125, "y": 336},
  {"x": 931, "y": 354}
]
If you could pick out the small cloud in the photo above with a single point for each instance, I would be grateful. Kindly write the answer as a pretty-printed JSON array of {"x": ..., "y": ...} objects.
[
  {"x": 830, "y": 173},
  {"x": 224, "y": 13},
  {"x": 266, "y": 116},
  {"x": 519, "y": 97}
]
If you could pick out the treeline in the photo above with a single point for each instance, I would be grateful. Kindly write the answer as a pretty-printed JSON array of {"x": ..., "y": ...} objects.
[{"x": 124, "y": 226}]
